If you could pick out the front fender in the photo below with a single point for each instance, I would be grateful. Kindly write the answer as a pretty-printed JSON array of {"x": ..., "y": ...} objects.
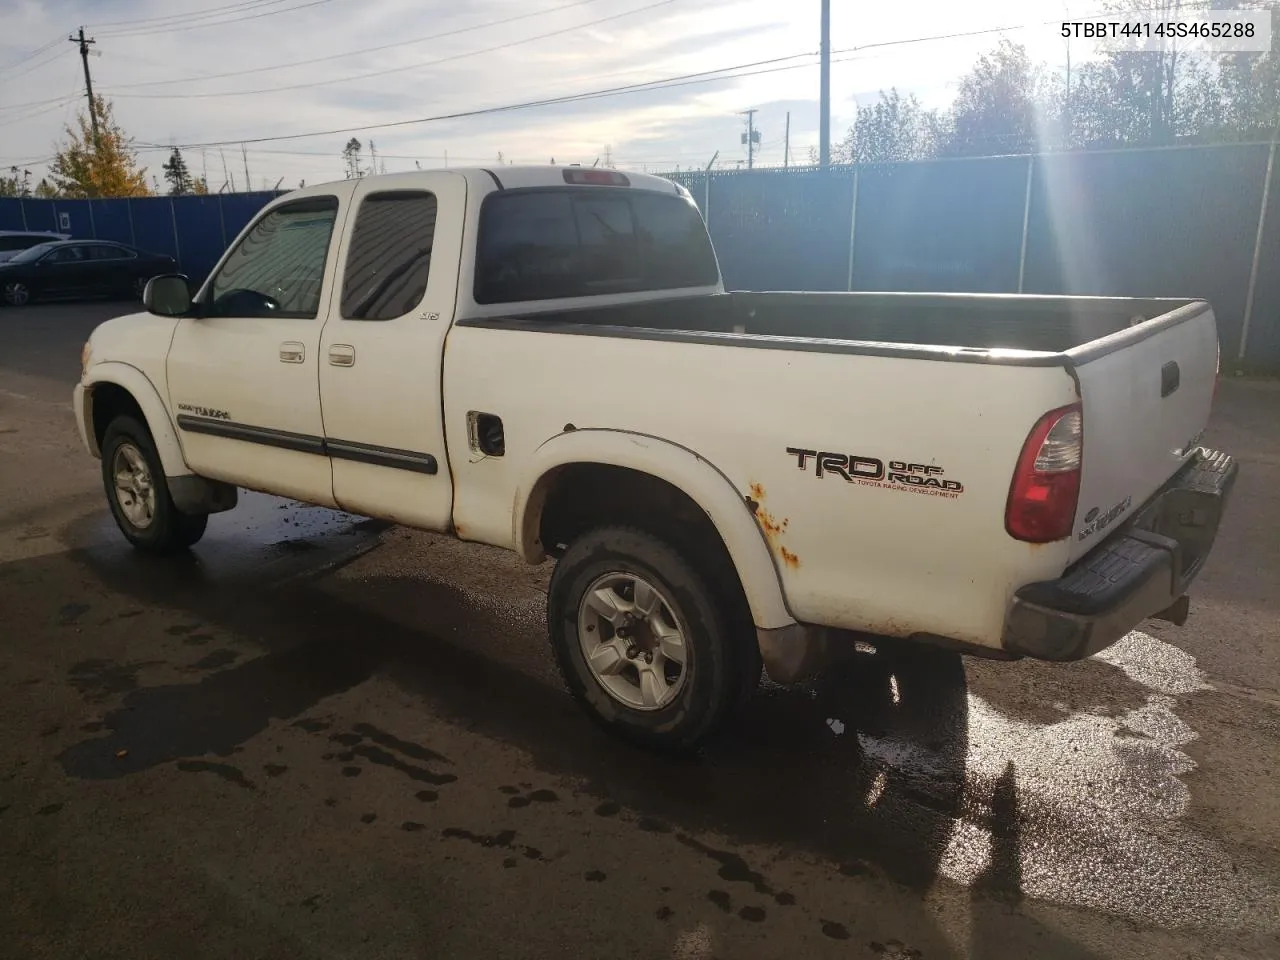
[
  {"x": 153, "y": 409},
  {"x": 700, "y": 480}
]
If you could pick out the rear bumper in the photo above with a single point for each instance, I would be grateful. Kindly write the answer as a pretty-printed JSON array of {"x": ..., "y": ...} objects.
[{"x": 1142, "y": 571}]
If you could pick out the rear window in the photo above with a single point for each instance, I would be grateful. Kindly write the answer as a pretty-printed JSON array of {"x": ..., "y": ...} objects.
[{"x": 586, "y": 241}]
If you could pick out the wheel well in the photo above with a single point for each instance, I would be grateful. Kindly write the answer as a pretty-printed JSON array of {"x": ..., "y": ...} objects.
[
  {"x": 110, "y": 401},
  {"x": 587, "y": 495}
]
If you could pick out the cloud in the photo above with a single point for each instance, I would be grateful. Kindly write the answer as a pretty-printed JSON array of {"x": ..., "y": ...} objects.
[{"x": 154, "y": 77}]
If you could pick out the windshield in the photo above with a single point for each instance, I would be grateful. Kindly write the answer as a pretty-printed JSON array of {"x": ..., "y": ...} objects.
[{"x": 31, "y": 253}]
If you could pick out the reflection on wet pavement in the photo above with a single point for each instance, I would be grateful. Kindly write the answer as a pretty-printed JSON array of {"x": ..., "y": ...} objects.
[{"x": 890, "y": 765}]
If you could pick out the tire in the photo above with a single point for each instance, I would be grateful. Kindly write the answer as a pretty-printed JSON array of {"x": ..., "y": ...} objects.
[
  {"x": 684, "y": 706},
  {"x": 18, "y": 294},
  {"x": 150, "y": 522}
]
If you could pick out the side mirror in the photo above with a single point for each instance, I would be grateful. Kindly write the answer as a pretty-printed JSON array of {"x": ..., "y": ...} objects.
[{"x": 168, "y": 295}]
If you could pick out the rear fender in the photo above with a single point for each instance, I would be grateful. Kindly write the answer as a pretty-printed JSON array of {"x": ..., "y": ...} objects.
[{"x": 682, "y": 468}]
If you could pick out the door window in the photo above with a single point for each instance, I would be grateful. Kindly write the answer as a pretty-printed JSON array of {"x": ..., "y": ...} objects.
[
  {"x": 65, "y": 255},
  {"x": 390, "y": 255},
  {"x": 277, "y": 270}
]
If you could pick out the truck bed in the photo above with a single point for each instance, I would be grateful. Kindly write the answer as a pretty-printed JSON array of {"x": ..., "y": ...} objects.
[{"x": 974, "y": 321}]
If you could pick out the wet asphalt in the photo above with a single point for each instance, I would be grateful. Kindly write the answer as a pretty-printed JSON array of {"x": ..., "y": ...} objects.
[{"x": 319, "y": 736}]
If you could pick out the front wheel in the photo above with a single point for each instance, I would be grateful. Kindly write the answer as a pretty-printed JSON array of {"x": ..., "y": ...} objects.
[
  {"x": 138, "y": 495},
  {"x": 642, "y": 641}
]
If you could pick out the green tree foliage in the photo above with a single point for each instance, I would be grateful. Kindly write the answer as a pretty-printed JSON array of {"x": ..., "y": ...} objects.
[
  {"x": 105, "y": 167},
  {"x": 177, "y": 175},
  {"x": 16, "y": 184},
  {"x": 893, "y": 128}
]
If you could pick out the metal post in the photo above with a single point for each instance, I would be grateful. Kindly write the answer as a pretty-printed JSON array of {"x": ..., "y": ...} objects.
[
  {"x": 22, "y": 205},
  {"x": 706, "y": 191},
  {"x": 173, "y": 218},
  {"x": 1026, "y": 222},
  {"x": 1257, "y": 252},
  {"x": 853, "y": 223},
  {"x": 824, "y": 92},
  {"x": 93, "y": 223},
  {"x": 222, "y": 223},
  {"x": 133, "y": 234}
]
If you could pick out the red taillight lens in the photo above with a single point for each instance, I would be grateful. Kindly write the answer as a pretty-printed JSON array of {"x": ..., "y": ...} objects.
[{"x": 1046, "y": 484}]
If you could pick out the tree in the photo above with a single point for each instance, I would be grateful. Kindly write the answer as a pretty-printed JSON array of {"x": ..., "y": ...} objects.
[
  {"x": 106, "y": 167},
  {"x": 892, "y": 129},
  {"x": 1003, "y": 106},
  {"x": 351, "y": 157},
  {"x": 1148, "y": 96},
  {"x": 17, "y": 184},
  {"x": 175, "y": 171}
]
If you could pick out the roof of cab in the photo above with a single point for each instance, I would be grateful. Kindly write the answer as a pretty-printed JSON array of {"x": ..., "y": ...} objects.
[
  {"x": 484, "y": 179},
  {"x": 513, "y": 177}
]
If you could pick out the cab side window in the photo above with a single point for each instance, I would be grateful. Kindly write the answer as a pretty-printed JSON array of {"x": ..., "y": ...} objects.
[
  {"x": 277, "y": 270},
  {"x": 389, "y": 258}
]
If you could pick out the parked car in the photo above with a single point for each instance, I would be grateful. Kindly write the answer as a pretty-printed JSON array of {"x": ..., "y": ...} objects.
[
  {"x": 71, "y": 269},
  {"x": 546, "y": 360},
  {"x": 11, "y": 241}
]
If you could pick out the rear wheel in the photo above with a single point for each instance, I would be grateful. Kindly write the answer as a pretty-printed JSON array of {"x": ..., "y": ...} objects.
[
  {"x": 17, "y": 294},
  {"x": 138, "y": 495},
  {"x": 642, "y": 640}
]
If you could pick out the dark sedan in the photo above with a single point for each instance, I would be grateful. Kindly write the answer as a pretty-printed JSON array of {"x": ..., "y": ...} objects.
[{"x": 71, "y": 269}]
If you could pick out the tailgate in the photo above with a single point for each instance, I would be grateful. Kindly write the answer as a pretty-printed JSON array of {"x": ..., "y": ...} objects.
[{"x": 1146, "y": 393}]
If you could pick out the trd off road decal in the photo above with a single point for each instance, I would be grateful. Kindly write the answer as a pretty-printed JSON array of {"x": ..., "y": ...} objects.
[{"x": 925, "y": 478}]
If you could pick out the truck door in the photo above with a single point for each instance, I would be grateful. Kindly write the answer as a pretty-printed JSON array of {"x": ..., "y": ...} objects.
[
  {"x": 243, "y": 380},
  {"x": 382, "y": 349}
]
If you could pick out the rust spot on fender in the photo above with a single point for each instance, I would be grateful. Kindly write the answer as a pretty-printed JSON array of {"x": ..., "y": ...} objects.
[
  {"x": 789, "y": 558},
  {"x": 771, "y": 525},
  {"x": 756, "y": 490},
  {"x": 459, "y": 529}
]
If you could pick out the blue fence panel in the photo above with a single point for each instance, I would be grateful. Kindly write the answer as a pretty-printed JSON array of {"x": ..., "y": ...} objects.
[
  {"x": 74, "y": 217},
  {"x": 199, "y": 221},
  {"x": 1264, "y": 325},
  {"x": 11, "y": 214},
  {"x": 941, "y": 226},
  {"x": 1152, "y": 223},
  {"x": 153, "y": 225},
  {"x": 40, "y": 214},
  {"x": 780, "y": 232},
  {"x": 111, "y": 220}
]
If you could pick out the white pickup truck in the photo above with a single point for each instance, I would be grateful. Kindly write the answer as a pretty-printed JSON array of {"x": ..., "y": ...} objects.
[{"x": 545, "y": 360}]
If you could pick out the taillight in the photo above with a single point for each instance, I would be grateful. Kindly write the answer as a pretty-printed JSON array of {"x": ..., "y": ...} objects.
[
  {"x": 1046, "y": 484},
  {"x": 605, "y": 178}
]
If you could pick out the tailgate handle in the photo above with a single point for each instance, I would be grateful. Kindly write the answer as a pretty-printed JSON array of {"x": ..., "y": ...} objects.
[{"x": 1170, "y": 377}]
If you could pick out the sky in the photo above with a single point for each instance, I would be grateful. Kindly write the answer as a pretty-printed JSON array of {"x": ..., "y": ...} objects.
[{"x": 227, "y": 71}]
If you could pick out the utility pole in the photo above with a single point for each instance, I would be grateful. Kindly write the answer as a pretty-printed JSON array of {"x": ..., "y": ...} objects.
[
  {"x": 751, "y": 137},
  {"x": 373, "y": 161},
  {"x": 824, "y": 96},
  {"x": 786, "y": 144},
  {"x": 88, "y": 81},
  {"x": 248, "y": 184}
]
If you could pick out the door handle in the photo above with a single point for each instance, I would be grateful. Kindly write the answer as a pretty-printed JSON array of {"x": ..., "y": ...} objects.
[
  {"x": 342, "y": 355},
  {"x": 291, "y": 351}
]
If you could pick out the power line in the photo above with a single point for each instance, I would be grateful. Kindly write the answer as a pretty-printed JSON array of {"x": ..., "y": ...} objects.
[
  {"x": 705, "y": 76},
  {"x": 401, "y": 69},
  {"x": 195, "y": 14},
  {"x": 353, "y": 53},
  {"x": 34, "y": 53},
  {"x": 184, "y": 26}
]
